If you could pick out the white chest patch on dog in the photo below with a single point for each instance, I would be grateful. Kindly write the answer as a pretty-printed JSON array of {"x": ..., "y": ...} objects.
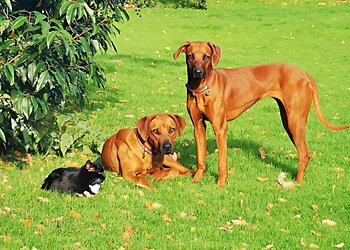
[{"x": 95, "y": 188}]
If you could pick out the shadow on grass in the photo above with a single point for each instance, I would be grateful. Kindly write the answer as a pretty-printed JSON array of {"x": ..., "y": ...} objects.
[{"x": 249, "y": 148}]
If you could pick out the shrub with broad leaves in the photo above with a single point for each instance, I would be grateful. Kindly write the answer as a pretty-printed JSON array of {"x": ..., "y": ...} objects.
[{"x": 47, "y": 51}]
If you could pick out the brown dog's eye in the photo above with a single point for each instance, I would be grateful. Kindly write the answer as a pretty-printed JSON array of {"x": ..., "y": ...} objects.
[
  {"x": 156, "y": 132},
  {"x": 190, "y": 57},
  {"x": 172, "y": 130},
  {"x": 206, "y": 58}
]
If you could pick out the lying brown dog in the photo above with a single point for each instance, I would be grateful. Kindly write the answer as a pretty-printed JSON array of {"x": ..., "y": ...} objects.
[
  {"x": 145, "y": 150},
  {"x": 221, "y": 95}
]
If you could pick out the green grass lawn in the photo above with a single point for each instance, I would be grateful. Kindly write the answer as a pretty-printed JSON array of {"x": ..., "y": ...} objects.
[{"x": 143, "y": 79}]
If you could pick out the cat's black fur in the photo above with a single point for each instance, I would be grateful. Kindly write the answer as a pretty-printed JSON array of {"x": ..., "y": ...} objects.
[{"x": 88, "y": 179}]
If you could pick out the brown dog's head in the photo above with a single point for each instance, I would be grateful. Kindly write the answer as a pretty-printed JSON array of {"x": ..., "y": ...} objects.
[
  {"x": 199, "y": 58},
  {"x": 160, "y": 131}
]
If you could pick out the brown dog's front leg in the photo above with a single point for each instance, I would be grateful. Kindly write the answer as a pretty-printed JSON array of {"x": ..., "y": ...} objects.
[
  {"x": 174, "y": 164},
  {"x": 201, "y": 141},
  {"x": 138, "y": 179},
  {"x": 221, "y": 139}
]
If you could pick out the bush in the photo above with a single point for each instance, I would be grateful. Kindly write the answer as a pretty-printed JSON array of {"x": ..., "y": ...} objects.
[
  {"x": 46, "y": 62},
  {"x": 195, "y": 4}
]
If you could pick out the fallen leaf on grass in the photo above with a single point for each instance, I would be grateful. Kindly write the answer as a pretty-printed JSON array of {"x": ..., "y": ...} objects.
[
  {"x": 26, "y": 222},
  {"x": 314, "y": 207},
  {"x": 238, "y": 222},
  {"x": 75, "y": 215},
  {"x": 96, "y": 216},
  {"x": 6, "y": 238},
  {"x": 29, "y": 159},
  {"x": 113, "y": 88},
  {"x": 8, "y": 167},
  {"x": 169, "y": 237},
  {"x": 328, "y": 222},
  {"x": 269, "y": 246},
  {"x": 57, "y": 219},
  {"x": 232, "y": 170},
  {"x": 149, "y": 236},
  {"x": 340, "y": 245},
  {"x": 315, "y": 233},
  {"x": 262, "y": 153},
  {"x": 183, "y": 215},
  {"x": 166, "y": 218},
  {"x": 129, "y": 116},
  {"x": 226, "y": 228},
  {"x": 283, "y": 183},
  {"x": 314, "y": 246},
  {"x": 71, "y": 163},
  {"x": 262, "y": 179},
  {"x": 268, "y": 207},
  {"x": 153, "y": 205},
  {"x": 123, "y": 101},
  {"x": 43, "y": 200},
  {"x": 128, "y": 232}
]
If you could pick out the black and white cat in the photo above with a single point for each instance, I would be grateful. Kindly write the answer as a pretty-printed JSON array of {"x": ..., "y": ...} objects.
[{"x": 86, "y": 180}]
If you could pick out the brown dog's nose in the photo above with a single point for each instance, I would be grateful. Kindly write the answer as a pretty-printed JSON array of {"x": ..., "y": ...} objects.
[
  {"x": 167, "y": 148},
  {"x": 198, "y": 73}
]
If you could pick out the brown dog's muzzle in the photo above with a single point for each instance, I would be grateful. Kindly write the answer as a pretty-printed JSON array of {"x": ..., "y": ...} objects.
[
  {"x": 198, "y": 73},
  {"x": 166, "y": 148}
]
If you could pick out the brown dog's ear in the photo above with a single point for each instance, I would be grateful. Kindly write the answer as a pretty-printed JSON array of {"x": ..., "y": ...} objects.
[
  {"x": 216, "y": 53},
  {"x": 180, "y": 123},
  {"x": 181, "y": 49},
  {"x": 143, "y": 127}
]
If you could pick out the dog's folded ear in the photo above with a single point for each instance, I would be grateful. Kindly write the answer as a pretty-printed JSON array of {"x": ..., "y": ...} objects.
[
  {"x": 180, "y": 123},
  {"x": 181, "y": 49},
  {"x": 216, "y": 52},
  {"x": 143, "y": 127}
]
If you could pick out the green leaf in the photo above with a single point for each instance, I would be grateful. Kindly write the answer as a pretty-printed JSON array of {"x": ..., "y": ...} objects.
[
  {"x": 21, "y": 60},
  {"x": 31, "y": 71},
  {"x": 39, "y": 17},
  {"x": 45, "y": 27},
  {"x": 90, "y": 12},
  {"x": 31, "y": 28},
  {"x": 85, "y": 44},
  {"x": 26, "y": 106},
  {"x": 66, "y": 142},
  {"x": 8, "y": 3},
  {"x": 41, "y": 113},
  {"x": 2, "y": 136},
  {"x": 61, "y": 80},
  {"x": 42, "y": 80},
  {"x": 18, "y": 22},
  {"x": 50, "y": 38},
  {"x": 71, "y": 13},
  {"x": 6, "y": 44},
  {"x": 10, "y": 73},
  {"x": 34, "y": 104},
  {"x": 80, "y": 11},
  {"x": 64, "y": 7}
]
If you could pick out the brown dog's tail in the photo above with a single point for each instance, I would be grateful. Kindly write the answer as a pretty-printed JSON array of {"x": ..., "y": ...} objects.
[{"x": 319, "y": 114}]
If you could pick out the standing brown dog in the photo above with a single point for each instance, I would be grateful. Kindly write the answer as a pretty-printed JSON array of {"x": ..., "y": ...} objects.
[
  {"x": 221, "y": 95},
  {"x": 145, "y": 150}
]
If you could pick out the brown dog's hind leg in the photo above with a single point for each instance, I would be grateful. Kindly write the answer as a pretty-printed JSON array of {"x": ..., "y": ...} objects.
[{"x": 294, "y": 120}]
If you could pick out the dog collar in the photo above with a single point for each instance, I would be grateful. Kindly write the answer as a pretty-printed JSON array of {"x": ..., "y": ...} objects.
[
  {"x": 200, "y": 90},
  {"x": 145, "y": 149}
]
